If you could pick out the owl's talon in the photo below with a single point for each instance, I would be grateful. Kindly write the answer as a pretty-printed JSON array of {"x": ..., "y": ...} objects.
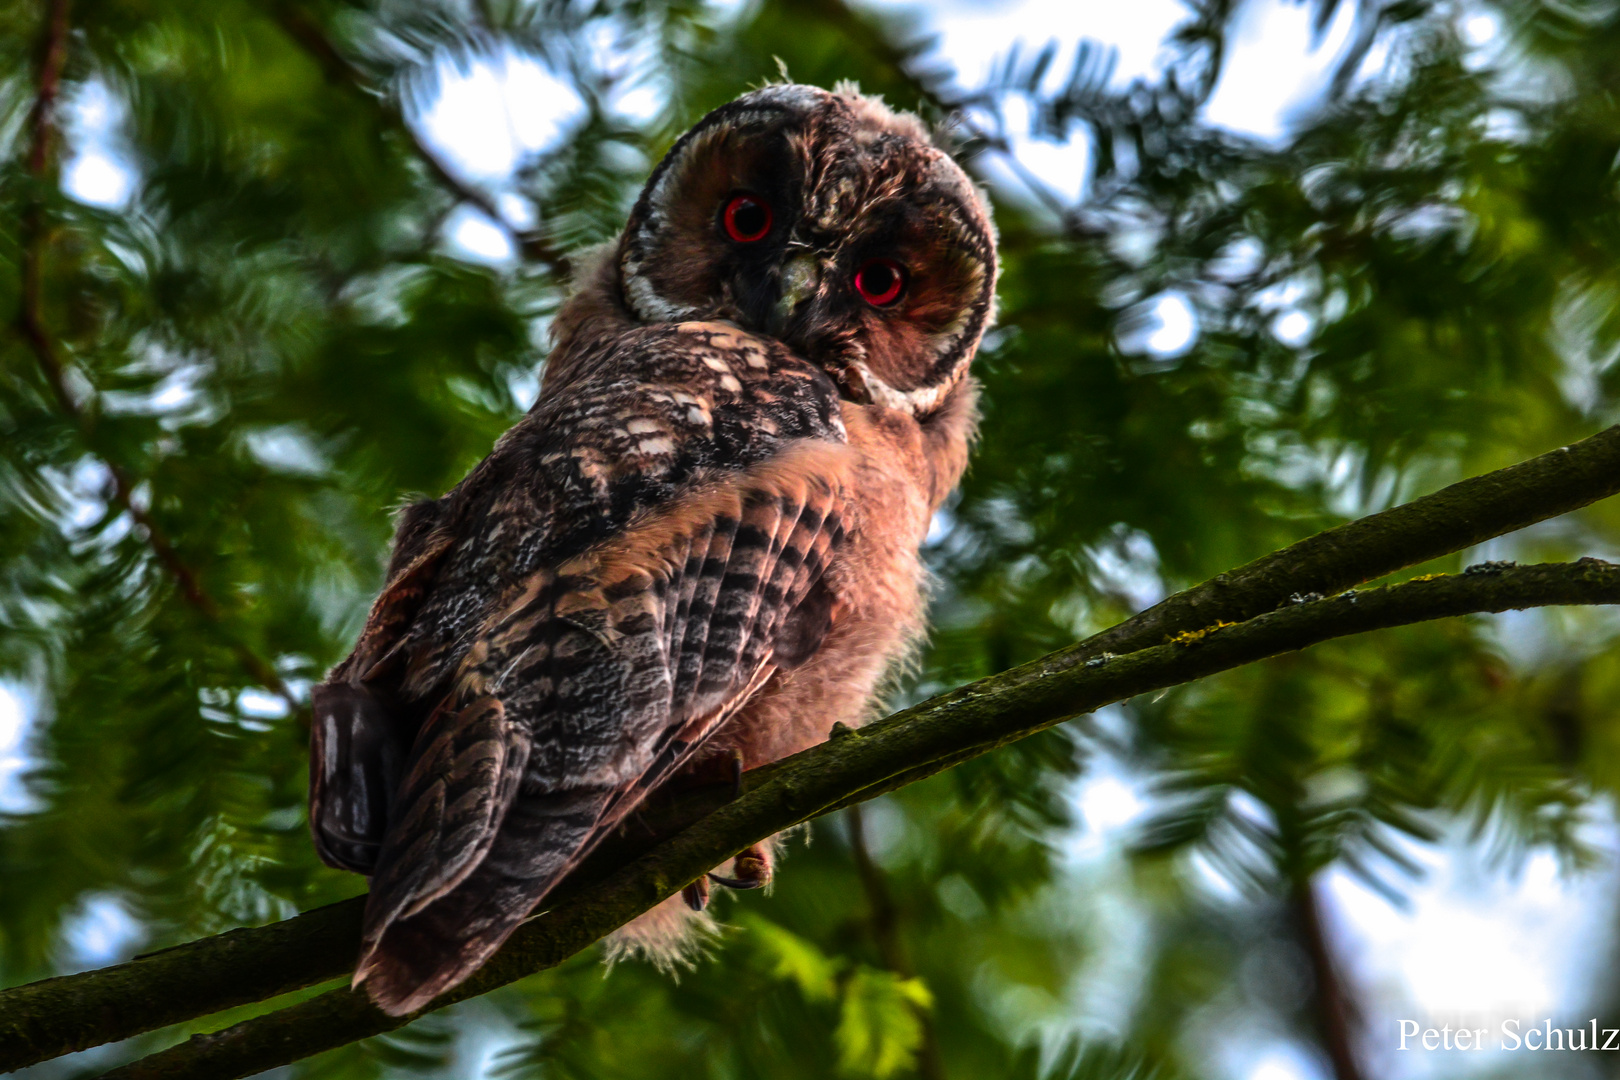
[
  {"x": 696, "y": 894},
  {"x": 751, "y": 870},
  {"x": 736, "y": 883}
]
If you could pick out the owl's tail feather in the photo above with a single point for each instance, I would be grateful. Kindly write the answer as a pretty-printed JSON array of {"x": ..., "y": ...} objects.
[
  {"x": 421, "y": 957},
  {"x": 412, "y": 959}
]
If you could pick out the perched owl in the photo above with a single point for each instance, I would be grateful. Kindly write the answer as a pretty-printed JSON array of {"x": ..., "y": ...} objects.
[{"x": 700, "y": 545}]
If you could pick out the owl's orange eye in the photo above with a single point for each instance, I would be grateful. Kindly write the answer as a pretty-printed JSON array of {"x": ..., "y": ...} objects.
[
  {"x": 880, "y": 281},
  {"x": 747, "y": 219}
]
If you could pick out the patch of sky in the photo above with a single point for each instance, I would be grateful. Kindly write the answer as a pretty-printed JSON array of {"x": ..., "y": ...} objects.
[
  {"x": 261, "y": 704},
  {"x": 1277, "y": 69},
  {"x": 1163, "y": 327},
  {"x": 1578, "y": 336},
  {"x": 1293, "y": 328},
  {"x": 476, "y": 238},
  {"x": 97, "y": 170},
  {"x": 493, "y": 112},
  {"x": 524, "y": 386},
  {"x": 18, "y": 712},
  {"x": 1277, "y": 1061},
  {"x": 173, "y": 394},
  {"x": 286, "y": 449},
  {"x": 1546, "y": 638},
  {"x": 81, "y": 509},
  {"x": 1126, "y": 565},
  {"x": 1111, "y": 798},
  {"x": 1477, "y": 942},
  {"x": 100, "y": 931}
]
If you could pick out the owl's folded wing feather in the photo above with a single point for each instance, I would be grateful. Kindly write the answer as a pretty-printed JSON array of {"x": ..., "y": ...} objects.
[{"x": 591, "y": 684}]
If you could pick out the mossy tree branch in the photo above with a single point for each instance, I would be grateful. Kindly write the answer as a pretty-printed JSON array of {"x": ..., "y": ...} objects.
[
  {"x": 859, "y": 765},
  {"x": 62, "y": 1015}
]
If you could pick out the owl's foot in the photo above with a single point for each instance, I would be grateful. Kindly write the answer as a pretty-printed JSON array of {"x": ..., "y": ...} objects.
[
  {"x": 751, "y": 869},
  {"x": 696, "y": 894}
]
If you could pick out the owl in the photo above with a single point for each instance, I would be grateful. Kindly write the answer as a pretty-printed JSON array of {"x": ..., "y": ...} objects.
[{"x": 700, "y": 548}]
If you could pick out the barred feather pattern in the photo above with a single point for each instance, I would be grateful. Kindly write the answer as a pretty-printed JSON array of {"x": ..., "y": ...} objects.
[{"x": 569, "y": 634}]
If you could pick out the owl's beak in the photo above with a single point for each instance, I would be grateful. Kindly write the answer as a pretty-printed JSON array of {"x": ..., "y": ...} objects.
[{"x": 801, "y": 280}]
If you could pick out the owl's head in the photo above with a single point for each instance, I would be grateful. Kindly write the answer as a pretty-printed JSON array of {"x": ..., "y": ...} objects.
[{"x": 830, "y": 223}]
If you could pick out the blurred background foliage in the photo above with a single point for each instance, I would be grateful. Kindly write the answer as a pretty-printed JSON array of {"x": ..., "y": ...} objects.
[{"x": 217, "y": 383}]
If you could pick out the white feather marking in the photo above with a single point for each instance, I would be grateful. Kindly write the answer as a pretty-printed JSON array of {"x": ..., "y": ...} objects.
[
  {"x": 648, "y": 304},
  {"x": 661, "y": 445}
]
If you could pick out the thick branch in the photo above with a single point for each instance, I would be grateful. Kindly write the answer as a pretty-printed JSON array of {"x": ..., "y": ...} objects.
[
  {"x": 1468, "y": 512},
  {"x": 339, "y": 71},
  {"x": 863, "y": 764},
  {"x": 58, "y": 1016}
]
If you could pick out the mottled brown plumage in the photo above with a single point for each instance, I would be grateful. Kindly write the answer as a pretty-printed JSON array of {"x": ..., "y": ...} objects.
[{"x": 701, "y": 544}]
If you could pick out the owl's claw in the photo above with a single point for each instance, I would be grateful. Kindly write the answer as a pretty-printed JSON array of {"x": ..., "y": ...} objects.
[
  {"x": 696, "y": 894},
  {"x": 751, "y": 870}
]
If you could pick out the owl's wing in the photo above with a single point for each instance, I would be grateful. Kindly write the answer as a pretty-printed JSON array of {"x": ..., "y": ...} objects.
[
  {"x": 590, "y": 685},
  {"x": 358, "y": 744}
]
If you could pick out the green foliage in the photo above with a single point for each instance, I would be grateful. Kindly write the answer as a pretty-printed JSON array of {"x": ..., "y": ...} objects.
[
  {"x": 272, "y": 345},
  {"x": 879, "y": 1028}
]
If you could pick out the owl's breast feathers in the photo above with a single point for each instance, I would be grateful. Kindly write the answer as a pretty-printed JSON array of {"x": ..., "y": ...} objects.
[{"x": 560, "y": 632}]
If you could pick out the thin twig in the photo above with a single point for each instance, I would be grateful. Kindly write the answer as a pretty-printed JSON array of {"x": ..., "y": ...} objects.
[
  {"x": 884, "y": 920},
  {"x": 32, "y": 327},
  {"x": 340, "y": 71},
  {"x": 53, "y": 58},
  {"x": 1337, "y": 1016},
  {"x": 863, "y": 764},
  {"x": 75, "y": 1012}
]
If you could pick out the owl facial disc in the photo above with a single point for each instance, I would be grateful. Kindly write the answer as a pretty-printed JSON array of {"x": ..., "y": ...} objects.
[{"x": 766, "y": 213}]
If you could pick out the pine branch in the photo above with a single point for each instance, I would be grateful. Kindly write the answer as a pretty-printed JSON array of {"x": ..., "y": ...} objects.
[
  {"x": 862, "y": 764},
  {"x": 62, "y": 1015},
  {"x": 31, "y": 326},
  {"x": 302, "y": 28}
]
